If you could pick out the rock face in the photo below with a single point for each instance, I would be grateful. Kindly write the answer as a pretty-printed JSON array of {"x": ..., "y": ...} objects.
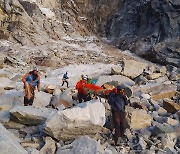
[
  {"x": 82, "y": 145},
  {"x": 85, "y": 119},
  {"x": 29, "y": 115},
  {"x": 148, "y": 28},
  {"x": 138, "y": 119},
  {"x": 9, "y": 143}
]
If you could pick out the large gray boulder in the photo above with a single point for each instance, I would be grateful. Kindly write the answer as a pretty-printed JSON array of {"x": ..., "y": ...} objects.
[
  {"x": 9, "y": 143},
  {"x": 119, "y": 78},
  {"x": 30, "y": 115},
  {"x": 84, "y": 119},
  {"x": 82, "y": 145}
]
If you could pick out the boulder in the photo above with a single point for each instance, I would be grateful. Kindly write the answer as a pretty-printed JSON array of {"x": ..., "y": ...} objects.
[
  {"x": 47, "y": 61},
  {"x": 7, "y": 84},
  {"x": 84, "y": 119},
  {"x": 4, "y": 116},
  {"x": 116, "y": 70},
  {"x": 60, "y": 104},
  {"x": 11, "y": 98},
  {"x": 153, "y": 76},
  {"x": 56, "y": 92},
  {"x": 29, "y": 115},
  {"x": 16, "y": 78},
  {"x": 30, "y": 144},
  {"x": 165, "y": 128},
  {"x": 32, "y": 150},
  {"x": 134, "y": 68},
  {"x": 41, "y": 99},
  {"x": 168, "y": 141},
  {"x": 145, "y": 96},
  {"x": 50, "y": 89},
  {"x": 159, "y": 91},
  {"x": 141, "y": 80},
  {"x": 9, "y": 143},
  {"x": 49, "y": 147},
  {"x": 13, "y": 125},
  {"x": 138, "y": 105},
  {"x": 108, "y": 86},
  {"x": 82, "y": 145},
  {"x": 66, "y": 96},
  {"x": 163, "y": 69},
  {"x": 161, "y": 111},
  {"x": 138, "y": 119},
  {"x": 110, "y": 150},
  {"x": 170, "y": 106},
  {"x": 119, "y": 78},
  {"x": 162, "y": 79},
  {"x": 172, "y": 121}
]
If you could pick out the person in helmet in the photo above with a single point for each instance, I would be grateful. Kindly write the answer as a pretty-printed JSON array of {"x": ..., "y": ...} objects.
[
  {"x": 82, "y": 93},
  {"x": 31, "y": 80}
]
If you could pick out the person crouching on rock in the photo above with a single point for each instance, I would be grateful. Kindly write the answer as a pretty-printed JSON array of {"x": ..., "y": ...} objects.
[
  {"x": 31, "y": 80},
  {"x": 118, "y": 101},
  {"x": 82, "y": 93}
]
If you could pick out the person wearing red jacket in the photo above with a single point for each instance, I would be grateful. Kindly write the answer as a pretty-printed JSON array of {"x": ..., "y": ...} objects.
[{"x": 82, "y": 93}]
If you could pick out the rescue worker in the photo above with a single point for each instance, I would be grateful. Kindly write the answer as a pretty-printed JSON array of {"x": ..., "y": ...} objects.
[
  {"x": 31, "y": 80},
  {"x": 64, "y": 79},
  {"x": 118, "y": 101},
  {"x": 82, "y": 93}
]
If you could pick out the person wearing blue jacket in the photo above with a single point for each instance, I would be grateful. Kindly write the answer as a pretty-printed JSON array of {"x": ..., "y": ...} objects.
[
  {"x": 31, "y": 80},
  {"x": 64, "y": 79},
  {"x": 118, "y": 101}
]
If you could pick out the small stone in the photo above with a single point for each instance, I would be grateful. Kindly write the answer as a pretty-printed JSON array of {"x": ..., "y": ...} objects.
[{"x": 172, "y": 121}]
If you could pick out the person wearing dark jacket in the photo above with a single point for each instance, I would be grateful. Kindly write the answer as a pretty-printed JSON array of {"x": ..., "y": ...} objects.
[
  {"x": 118, "y": 101},
  {"x": 64, "y": 79}
]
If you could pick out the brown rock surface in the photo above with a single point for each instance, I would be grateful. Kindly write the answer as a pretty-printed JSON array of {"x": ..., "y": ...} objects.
[
  {"x": 170, "y": 106},
  {"x": 138, "y": 119}
]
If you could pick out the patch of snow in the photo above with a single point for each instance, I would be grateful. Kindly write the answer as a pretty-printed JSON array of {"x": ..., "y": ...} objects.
[
  {"x": 5, "y": 43},
  {"x": 47, "y": 12},
  {"x": 32, "y": 1},
  {"x": 74, "y": 72}
]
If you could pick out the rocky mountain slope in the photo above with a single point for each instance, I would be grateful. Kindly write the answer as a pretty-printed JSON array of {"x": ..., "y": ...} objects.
[
  {"x": 150, "y": 28},
  {"x": 64, "y": 35}
]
